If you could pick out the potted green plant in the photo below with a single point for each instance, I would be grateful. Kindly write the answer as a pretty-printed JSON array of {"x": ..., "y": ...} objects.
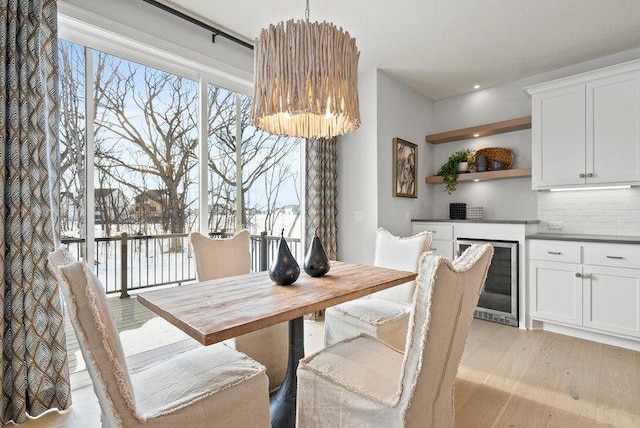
[{"x": 449, "y": 171}]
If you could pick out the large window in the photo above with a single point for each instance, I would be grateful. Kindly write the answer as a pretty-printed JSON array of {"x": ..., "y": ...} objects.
[
  {"x": 267, "y": 196},
  {"x": 131, "y": 183}
]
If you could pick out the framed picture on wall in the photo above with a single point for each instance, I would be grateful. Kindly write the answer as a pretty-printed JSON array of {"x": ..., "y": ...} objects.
[{"x": 405, "y": 168}]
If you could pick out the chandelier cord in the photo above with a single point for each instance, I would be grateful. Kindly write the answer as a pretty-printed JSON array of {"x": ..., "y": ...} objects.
[{"x": 306, "y": 11}]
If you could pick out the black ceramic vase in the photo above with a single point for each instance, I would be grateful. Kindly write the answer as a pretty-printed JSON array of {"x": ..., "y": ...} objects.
[
  {"x": 316, "y": 263},
  {"x": 284, "y": 270}
]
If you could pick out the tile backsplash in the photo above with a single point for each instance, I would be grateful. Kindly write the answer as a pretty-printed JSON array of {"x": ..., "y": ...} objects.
[{"x": 596, "y": 212}]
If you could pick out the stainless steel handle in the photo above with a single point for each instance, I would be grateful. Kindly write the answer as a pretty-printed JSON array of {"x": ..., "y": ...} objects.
[
  {"x": 615, "y": 257},
  {"x": 587, "y": 276},
  {"x": 581, "y": 175},
  {"x": 590, "y": 175},
  {"x": 555, "y": 253},
  {"x": 578, "y": 275}
]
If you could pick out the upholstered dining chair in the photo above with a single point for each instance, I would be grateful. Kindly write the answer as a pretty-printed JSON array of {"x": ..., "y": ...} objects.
[
  {"x": 362, "y": 381},
  {"x": 219, "y": 258},
  {"x": 385, "y": 314},
  {"x": 206, "y": 386}
]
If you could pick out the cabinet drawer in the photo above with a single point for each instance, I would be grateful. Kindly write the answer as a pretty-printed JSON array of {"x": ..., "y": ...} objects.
[
  {"x": 555, "y": 251},
  {"x": 627, "y": 256},
  {"x": 438, "y": 231}
]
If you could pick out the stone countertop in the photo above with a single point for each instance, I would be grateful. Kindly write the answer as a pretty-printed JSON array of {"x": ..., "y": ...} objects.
[
  {"x": 437, "y": 220},
  {"x": 607, "y": 239}
]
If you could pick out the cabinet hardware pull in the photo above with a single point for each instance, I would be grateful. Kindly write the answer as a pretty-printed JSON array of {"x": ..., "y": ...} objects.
[
  {"x": 590, "y": 175},
  {"x": 615, "y": 257},
  {"x": 587, "y": 276},
  {"x": 555, "y": 253},
  {"x": 581, "y": 175},
  {"x": 578, "y": 275}
]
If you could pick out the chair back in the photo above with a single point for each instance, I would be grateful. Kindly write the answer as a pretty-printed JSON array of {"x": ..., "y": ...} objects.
[
  {"x": 394, "y": 252},
  {"x": 97, "y": 335},
  {"x": 446, "y": 295},
  {"x": 220, "y": 258}
]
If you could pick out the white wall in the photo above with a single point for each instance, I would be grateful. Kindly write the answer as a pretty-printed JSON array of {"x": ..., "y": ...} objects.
[
  {"x": 511, "y": 198},
  {"x": 406, "y": 114},
  {"x": 358, "y": 180},
  {"x": 388, "y": 109},
  {"x": 501, "y": 199}
]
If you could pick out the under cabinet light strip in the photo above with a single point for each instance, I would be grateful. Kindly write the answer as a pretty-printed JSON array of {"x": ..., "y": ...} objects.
[{"x": 571, "y": 189}]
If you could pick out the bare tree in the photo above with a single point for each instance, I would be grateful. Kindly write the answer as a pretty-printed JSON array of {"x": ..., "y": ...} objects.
[
  {"x": 149, "y": 125},
  {"x": 72, "y": 137},
  {"x": 260, "y": 152},
  {"x": 274, "y": 178}
]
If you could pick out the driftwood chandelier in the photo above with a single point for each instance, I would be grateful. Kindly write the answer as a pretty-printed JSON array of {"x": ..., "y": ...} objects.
[{"x": 306, "y": 80}]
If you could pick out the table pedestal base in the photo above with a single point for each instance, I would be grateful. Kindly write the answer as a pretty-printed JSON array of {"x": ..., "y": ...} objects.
[{"x": 283, "y": 401}]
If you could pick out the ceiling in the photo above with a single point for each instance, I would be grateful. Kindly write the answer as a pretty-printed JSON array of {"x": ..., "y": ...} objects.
[{"x": 442, "y": 48}]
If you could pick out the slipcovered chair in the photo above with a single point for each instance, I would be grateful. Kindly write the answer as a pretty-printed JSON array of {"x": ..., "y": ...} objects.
[
  {"x": 204, "y": 387},
  {"x": 220, "y": 258},
  {"x": 384, "y": 314},
  {"x": 364, "y": 382}
]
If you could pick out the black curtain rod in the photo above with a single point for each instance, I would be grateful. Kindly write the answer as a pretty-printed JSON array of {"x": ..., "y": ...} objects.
[{"x": 214, "y": 30}]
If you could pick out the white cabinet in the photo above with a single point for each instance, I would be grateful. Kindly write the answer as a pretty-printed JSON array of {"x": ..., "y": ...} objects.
[
  {"x": 612, "y": 299},
  {"x": 558, "y": 154},
  {"x": 557, "y": 292},
  {"x": 613, "y": 129},
  {"x": 586, "y": 129},
  {"x": 556, "y": 278},
  {"x": 592, "y": 286},
  {"x": 441, "y": 237}
]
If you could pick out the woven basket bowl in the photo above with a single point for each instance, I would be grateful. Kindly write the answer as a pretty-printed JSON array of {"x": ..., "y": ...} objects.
[{"x": 497, "y": 154}]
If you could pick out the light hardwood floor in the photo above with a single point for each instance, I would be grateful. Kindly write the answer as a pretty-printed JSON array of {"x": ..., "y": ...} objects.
[
  {"x": 516, "y": 378},
  {"x": 507, "y": 378}
]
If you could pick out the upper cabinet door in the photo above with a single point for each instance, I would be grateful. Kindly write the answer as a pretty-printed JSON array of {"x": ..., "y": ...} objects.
[
  {"x": 613, "y": 129},
  {"x": 558, "y": 134}
]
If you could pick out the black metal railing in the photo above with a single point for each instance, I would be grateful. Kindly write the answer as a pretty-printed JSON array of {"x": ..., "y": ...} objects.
[{"x": 129, "y": 262}]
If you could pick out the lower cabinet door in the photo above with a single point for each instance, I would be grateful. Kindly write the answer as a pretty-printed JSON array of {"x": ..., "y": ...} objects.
[
  {"x": 612, "y": 299},
  {"x": 556, "y": 291}
]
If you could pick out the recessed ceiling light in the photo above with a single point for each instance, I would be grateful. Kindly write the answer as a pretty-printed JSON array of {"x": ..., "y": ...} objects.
[
  {"x": 476, "y": 86},
  {"x": 476, "y": 135}
]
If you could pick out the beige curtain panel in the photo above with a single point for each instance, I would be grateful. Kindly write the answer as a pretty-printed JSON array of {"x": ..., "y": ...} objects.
[{"x": 34, "y": 372}]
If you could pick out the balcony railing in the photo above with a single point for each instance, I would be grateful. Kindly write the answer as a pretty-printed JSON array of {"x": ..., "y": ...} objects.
[{"x": 129, "y": 262}]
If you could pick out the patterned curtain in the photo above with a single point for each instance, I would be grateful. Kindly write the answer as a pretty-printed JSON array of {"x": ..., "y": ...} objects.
[
  {"x": 34, "y": 372},
  {"x": 321, "y": 194}
]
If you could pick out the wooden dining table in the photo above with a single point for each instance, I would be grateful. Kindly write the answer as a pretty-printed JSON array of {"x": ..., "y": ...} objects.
[{"x": 217, "y": 310}]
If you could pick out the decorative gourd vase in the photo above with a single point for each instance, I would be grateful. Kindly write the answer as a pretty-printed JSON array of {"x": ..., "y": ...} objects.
[
  {"x": 284, "y": 270},
  {"x": 316, "y": 263}
]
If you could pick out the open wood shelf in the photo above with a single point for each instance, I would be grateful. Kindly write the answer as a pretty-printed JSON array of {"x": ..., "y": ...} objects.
[
  {"x": 481, "y": 130},
  {"x": 482, "y": 176}
]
